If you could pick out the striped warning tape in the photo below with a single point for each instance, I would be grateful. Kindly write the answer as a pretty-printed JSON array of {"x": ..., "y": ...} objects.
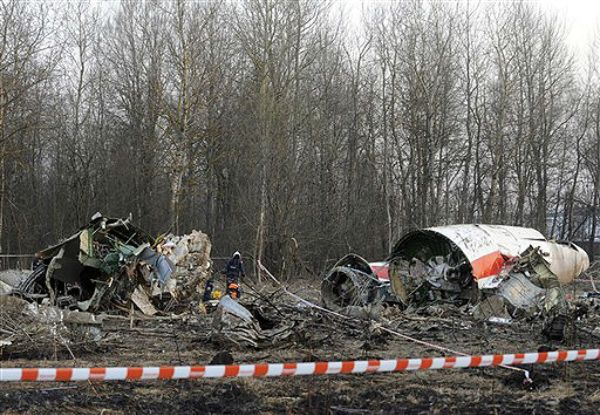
[{"x": 289, "y": 369}]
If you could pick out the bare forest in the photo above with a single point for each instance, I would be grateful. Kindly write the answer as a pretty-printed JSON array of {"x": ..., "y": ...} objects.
[{"x": 290, "y": 132}]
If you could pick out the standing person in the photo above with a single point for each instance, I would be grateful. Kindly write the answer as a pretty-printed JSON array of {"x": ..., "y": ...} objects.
[{"x": 233, "y": 270}]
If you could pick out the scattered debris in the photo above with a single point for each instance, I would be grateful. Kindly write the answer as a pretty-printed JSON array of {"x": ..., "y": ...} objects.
[
  {"x": 501, "y": 273},
  {"x": 442, "y": 307},
  {"x": 110, "y": 263},
  {"x": 29, "y": 329},
  {"x": 491, "y": 308},
  {"x": 235, "y": 325},
  {"x": 250, "y": 335}
]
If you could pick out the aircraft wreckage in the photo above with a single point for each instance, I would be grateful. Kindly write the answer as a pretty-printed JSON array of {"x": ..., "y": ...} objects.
[
  {"x": 111, "y": 264},
  {"x": 504, "y": 271}
]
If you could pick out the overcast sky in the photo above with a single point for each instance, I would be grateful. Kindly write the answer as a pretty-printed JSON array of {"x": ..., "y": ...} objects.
[{"x": 581, "y": 18}]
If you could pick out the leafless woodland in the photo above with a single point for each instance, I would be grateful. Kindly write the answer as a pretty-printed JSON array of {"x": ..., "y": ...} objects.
[{"x": 290, "y": 132}]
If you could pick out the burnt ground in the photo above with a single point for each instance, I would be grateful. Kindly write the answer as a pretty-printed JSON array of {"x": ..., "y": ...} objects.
[{"x": 557, "y": 388}]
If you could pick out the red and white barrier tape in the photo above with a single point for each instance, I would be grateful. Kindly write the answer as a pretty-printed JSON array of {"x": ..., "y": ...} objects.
[{"x": 289, "y": 369}]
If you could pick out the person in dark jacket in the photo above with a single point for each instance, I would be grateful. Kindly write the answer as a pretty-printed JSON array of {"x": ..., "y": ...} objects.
[
  {"x": 233, "y": 271},
  {"x": 208, "y": 290}
]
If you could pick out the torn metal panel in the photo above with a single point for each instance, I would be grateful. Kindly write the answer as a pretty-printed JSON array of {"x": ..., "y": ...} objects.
[
  {"x": 233, "y": 307},
  {"x": 191, "y": 255},
  {"x": 142, "y": 301},
  {"x": 5, "y": 288},
  {"x": 52, "y": 251},
  {"x": 536, "y": 265},
  {"x": 520, "y": 293},
  {"x": 162, "y": 266}
]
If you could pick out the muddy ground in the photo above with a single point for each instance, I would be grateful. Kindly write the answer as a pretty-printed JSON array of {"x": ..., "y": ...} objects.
[{"x": 557, "y": 388}]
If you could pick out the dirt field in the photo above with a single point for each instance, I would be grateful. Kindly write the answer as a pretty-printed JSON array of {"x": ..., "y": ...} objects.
[{"x": 557, "y": 388}]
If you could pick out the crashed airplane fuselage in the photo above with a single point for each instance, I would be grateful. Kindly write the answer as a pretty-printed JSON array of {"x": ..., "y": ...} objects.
[
  {"x": 488, "y": 249},
  {"x": 456, "y": 260}
]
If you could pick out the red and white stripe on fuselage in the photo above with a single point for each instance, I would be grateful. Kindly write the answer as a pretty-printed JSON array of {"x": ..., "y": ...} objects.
[
  {"x": 381, "y": 269},
  {"x": 489, "y": 247}
]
